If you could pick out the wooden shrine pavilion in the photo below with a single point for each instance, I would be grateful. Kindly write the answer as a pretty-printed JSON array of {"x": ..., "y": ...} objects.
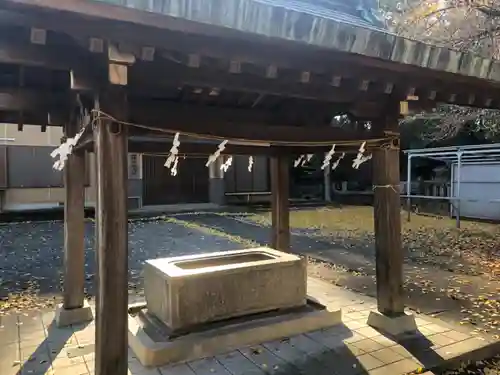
[{"x": 268, "y": 76}]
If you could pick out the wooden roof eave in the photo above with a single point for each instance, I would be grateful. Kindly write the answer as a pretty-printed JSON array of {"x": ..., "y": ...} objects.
[{"x": 374, "y": 46}]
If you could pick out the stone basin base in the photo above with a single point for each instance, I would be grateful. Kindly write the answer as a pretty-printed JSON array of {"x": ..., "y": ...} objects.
[
  {"x": 184, "y": 292},
  {"x": 154, "y": 345}
]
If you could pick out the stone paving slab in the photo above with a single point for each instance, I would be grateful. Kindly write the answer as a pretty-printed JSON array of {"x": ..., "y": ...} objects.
[{"x": 31, "y": 344}]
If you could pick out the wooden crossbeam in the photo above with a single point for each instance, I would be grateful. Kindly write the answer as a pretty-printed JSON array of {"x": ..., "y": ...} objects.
[
  {"x": 86, "y": 70},
  {"x": 163, "y": 113},
  {"x": 151, "y": 77},
  {"x": 162, "y": 148},
  {"x": 53, "y": 118},
  {"x": 56, "y": 57},
  {"x": 32, "y": 100},
  {"x": 13, "y": 52},
  {"x": 205, "y": 121},
  {"x": 160, "y": 112}
]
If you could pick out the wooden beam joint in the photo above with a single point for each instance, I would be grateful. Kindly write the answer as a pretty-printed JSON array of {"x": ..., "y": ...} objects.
[{"x": 119, "y": 61}]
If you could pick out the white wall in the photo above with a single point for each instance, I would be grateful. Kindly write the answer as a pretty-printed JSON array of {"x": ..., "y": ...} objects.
[
  {"x": 479, "y": 190},
  {"x": 40, "y": 198}
]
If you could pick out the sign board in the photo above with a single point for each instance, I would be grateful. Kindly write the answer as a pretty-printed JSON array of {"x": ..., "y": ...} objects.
[{"x": 134, "y": 166}]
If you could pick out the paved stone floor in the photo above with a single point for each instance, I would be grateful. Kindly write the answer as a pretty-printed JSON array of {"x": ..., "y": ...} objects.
[{"x": 31, "y": 344}]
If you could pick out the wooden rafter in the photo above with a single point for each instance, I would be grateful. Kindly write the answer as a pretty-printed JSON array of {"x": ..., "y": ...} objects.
[
  {"x": 328, "y": 78},
  {"x": 29, "y": 99}
]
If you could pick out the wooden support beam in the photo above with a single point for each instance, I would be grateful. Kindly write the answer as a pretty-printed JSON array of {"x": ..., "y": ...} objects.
[
  {"x": 118, "y": 74},
  {"x": 389, "y": 253},
  {"x": 154, "y": 77},
  {"x": 74, "y": 226},
  {"x": 34, "y": 118},
  {"x": 83, "y": 78},
  {"x": 112, "y": 238},
  {"x": 85, "y": 69},
  {"x": 55, "y": 57},
  {"x": 243, "y": 124},
  {"x": 13, "y": 52},
  {"x": 118, "y": 65},
  {"x": 161, "y": 146},
  {"x": 168, "y": 113},
  {"x": 30, "y": 100},
  {"x": 280, "y": 192}
]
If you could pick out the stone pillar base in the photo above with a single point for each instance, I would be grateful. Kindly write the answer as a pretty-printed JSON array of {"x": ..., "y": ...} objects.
[
  {"x": 394, "y": 326},
  {"x": 65, "y": 317}
]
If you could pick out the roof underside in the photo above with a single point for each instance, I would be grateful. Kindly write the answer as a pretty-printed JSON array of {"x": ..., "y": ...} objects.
[
  {"x": 315, "y": 24},
  {"x": 298, "y": 21}
]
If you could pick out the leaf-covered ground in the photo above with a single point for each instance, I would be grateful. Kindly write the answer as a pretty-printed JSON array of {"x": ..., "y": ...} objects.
[
  {"x": 447, "y": 270},
  {"x": 488, "y": 367},
  {"x": 455, "y": 272},
  {"x": 473, "y": 250}
]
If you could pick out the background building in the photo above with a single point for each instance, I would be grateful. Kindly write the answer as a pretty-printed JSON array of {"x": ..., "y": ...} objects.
[{"x": 28, "y": 181}]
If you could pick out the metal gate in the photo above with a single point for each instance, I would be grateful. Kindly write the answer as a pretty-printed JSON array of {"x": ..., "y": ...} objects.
[{"x": 189, "y": 186}]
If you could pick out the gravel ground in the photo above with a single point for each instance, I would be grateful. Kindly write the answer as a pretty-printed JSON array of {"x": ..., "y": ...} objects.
[{"x": 31, "y": 257}]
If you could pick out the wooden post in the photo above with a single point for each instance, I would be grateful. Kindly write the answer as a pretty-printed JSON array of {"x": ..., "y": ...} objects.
[
  {"x": 328, "y": 183},
  {"x": 280, "y": 191},
  {"x": 111, "y": 228},
  {"x": 387, "y": 214},
  {"x": 74, "y": 226}
]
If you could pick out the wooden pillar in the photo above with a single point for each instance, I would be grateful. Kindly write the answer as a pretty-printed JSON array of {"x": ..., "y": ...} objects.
[
  {"x": 280, "y": 191},
  {"x": 216, "y": 183},
  {"x": 387, "y": 214},
  {"x": 74, "y": 226},
  {"x": 328, "y": 183},
  {"x": 112, "y": 238}
]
